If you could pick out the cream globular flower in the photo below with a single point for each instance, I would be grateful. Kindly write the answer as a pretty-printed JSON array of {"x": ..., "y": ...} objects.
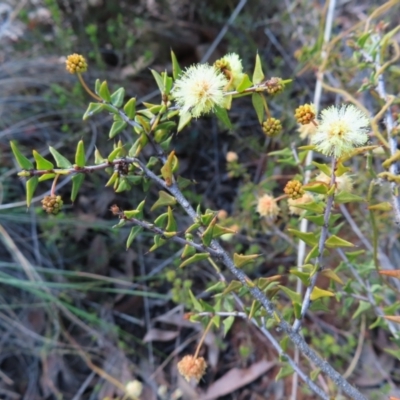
[
  {"x": 200, "y": 89},
  {"x": 235, "y": 66},
  {"x": 267, "y": 207},
  {"x": 340, "y": 131},
  {"x": 307, "y": 130}
]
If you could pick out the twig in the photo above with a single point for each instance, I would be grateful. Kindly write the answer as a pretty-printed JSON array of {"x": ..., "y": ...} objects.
[
  {"x": 321, "y": 246},
  {"x": 301, "y": 251},
  {"x": 389, "y": 122}
]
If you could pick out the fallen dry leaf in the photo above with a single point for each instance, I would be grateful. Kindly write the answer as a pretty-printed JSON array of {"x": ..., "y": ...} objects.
[
  {"x": 158, "y": 335},
  {"x": 235, "y": 379}
]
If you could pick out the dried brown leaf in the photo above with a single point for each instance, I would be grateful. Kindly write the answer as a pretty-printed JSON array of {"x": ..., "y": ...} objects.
[
  {"x": 158, "y": 335},
  {"x": 235, "y": 379}
]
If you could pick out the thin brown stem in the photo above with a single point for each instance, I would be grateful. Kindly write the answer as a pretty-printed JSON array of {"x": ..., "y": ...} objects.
[{"x": 83, "y": 83}]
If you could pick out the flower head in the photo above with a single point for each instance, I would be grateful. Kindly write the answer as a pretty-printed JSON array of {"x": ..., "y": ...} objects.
[
  {"x": 134, "y": 388},
  {"x": 191, "y": 367},
  {"x": 293, "y": 203},
  {"x": 305, "y": 114},
  {"x": 294, "y": 189},
  {"x": 52, "y": 204},
  {"x": 272, "y": 127},
  {"x": 76, "y": 63},
  {"x": 200, "y": 89},
  {"x": 231, "y": 157},
  {"x": 267, "y": 207},
  {"x": 307, "y": 131},
  {"x": 274, "y": 85},
  {"x": 231, "y": 66},
  {"x": 340, "y": 131}
]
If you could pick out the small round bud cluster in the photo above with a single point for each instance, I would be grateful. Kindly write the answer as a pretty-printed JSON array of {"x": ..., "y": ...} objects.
[
  {"x": 294, "y": 189},
  {"x": 52, "y": 204},
  {"x": 191, "y": 367},
  {"x": 305, "y": 114},
  {"x": 267, "y": 207},
  {"x": 272, "y": 127},
  {"x": 76, "y": 63},
  {"x": 274, "y": 86}
]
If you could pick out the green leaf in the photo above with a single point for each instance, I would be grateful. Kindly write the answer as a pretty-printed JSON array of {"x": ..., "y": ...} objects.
[
  {"x": 117, "y": 127},
  {"x": 168, "y": 82},
  {"x": 104, "y": 93},
  {"x": 258, "y": 105},
  {"x": 258, "y": 74},
  {"x": 362, "y": 307},
  {"x": 168, "y": 167},
  {"x": 132, "y": 235},
  {"x": 385, "y": 206},
  {"x": 347, "y": 197},
  {"x": 314, "y": 374},
  {"x": 312, "y": 254},
  {"x": 184, "y": 119},
  {"x": 317, "y": 208},
  {"x": 297, "y": 310},
  {"x": 196, "y": 304},
  {"x": 161, "y": 220},
  {"x": 303, "y": 276},
  {"x": 228, "y": 322},
  {"x": 241, "y": 260},
  {"x": 114, "y": 154},
  {"x": 61, "y": 161},
  {"x": 41, "y": 162},
  {"x": 130, "y": 108},
  {"x": 131, "y": 213},
  {"x": 76, "y": 184},
  {"x": 159, "y": 80},
  {"x": 255, "y": 306},
  {"x": 31, "y": 185},
  {"x": 207, "y": 235},
  {"x": 295, "y": 297},
  {"x": 284, "y": 372},
  {"x": 22, "y": 161},
  {"x": 233, "y": 286},
  {"x": 98, "y": 158},
  {"x": 323, "y": 168},
  {"x": 244, "y": 84},
  {"x": 45, "y": 177},
  {"x": 223, "y": 116},
  {"x": 318, "y": 293},
  {"x": 80, "y": 154},
  {"x": 341, "y": 169},
  {"x": 97, "y": 85},
  {"x": 123, "y": 186},
  {"x": 316, "y": 187},
  {"x": 94, "y": 108},
  {"x": 172, "y": 226},
  {"x": 331, "y": 275},
  {"x": 158, "y": 242},
  {"x": 176, "y": 69},
  {"x": 196, "y": 258},
  {"x": 316, "y": 219},
  {"x": 334, "y": 242},
  {"x": 117, "y": 98},
  {"x": 307, "y": 237}
]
